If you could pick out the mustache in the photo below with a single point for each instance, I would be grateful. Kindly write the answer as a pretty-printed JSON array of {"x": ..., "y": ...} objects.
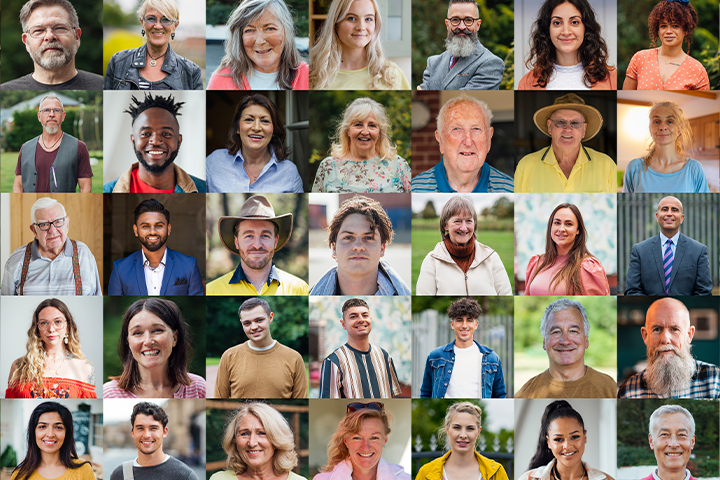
[
  {"x": 457, "y": 31},
  {"x": 54, "y": 44}
]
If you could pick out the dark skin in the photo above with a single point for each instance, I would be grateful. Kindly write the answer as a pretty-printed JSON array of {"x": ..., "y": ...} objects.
[{"x": 156, "y": 135}]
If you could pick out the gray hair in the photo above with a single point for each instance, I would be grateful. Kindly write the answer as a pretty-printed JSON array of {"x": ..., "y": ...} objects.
[
  {"x": 31, "y": 5},
  {"x": 44, "y": 203},
  {"x": 166, "y": 7},
  {"x": 667, "y": 410},
  {"x": 456, "y": 205},
  {"x": 564, "y": 304},
  {"x": 51, "y": 95},
  {"x": 464, "y": 98}
]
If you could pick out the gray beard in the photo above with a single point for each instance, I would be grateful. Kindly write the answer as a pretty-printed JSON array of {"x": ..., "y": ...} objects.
[
  {"x": 461, "y": 46},
  {"x": 54, "y": 60},
  {"x": 669, "y": 376},
  {"x": 52, "y": 130}
]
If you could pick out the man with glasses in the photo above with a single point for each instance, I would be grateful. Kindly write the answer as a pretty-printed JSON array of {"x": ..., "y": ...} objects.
[
  {"x": 466, "y": 64},
  {"x": 52, "y": 264},
  {"x": 567, "y": 165},
  {"x": 54, "y": 161},
  {"x": 51, "y": 34}
]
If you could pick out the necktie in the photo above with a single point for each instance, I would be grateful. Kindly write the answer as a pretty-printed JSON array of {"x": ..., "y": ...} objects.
[{"x": 667, "y": 264}]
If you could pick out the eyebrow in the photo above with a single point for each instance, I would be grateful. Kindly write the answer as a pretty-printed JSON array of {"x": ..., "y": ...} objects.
[
  {"x": 164, "y": 127},
  {"x": 358, "y": 15},
  {"x": 574, "y": 16},
  {"x": 265, "y": 230},
  {"x": 48, "y": 423},
  {"x": 253, "y": 319}
]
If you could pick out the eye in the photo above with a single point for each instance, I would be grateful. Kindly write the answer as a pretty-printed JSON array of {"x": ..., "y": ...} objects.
[
  {"x": 351, "y": 18},
  {"x": 136, "y": 333},
  {"x": 248, "y": 31},
  {"x": 555, "y": 23}
]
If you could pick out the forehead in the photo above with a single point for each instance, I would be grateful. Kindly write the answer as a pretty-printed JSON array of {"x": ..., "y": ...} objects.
[
  {"x": 564, "y": 425},
  {"x": 669, "y": 202},
  {"x": 52, "y": 14},
  {"x": 463, "y": 10},
  {"x": 47, "y": 214},
  {"x": 156, "y": 118},
  {"x": 266, "y": 18},
  {"x": 256, "y": 110},
  {"x": 146, "y": 420},
  {"x": 569, "y": 115},
  {"x": 50, "y": 313},
  {"x": 50, "y": 103},
  {"x": 359, "y": 310},
  {"x": 466, "y": 113},
  {"x": 565, "y": 214},
  {"x": 144, "y": 318},
  {"x": 355, "y": 222},
  {"x": 663, "y": 112},
  {"x": 151, "y": 217},
  {"x": 362, "y": 7},
  {"x": 569, "y": 317},
  {"x": 461, "y": 213},
  {"x": 464, "y": 318},
  {"x": 464, "y": 418},
  {"x": 667, "y": 317},
  {"x": 50, "y": 417},
  {"x": 253, "y": 313},
  {"x": 370, "y": 117},
  {"x": 566, "y": 10},
  {"x": 673, "y": 422},
  {"x": 249, "y": 226},
  {"x": 249, "y": 421}
]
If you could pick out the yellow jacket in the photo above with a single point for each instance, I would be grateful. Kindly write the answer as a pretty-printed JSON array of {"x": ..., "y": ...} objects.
[{"x": 490, "y": 469}]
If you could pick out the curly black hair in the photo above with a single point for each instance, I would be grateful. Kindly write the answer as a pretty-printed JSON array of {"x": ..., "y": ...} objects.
[
  {"x": 672, "y": 12},
  {"x": 157, "y": 101}
]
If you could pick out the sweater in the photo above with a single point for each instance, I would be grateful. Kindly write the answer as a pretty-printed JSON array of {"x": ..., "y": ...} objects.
[
  {"x": 82, "y": 81},
  {"x": 172, "y": 468},
  {"x": 593, "y": 385},
  {"x": 529, "y": 81},
  {"x": 85, "y": 472},
  {"x": 222, "y": 80}
]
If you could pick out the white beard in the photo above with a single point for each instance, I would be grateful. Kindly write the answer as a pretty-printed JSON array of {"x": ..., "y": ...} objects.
[
  {"x": 54, "y": 60},
  {"x": 461, "y": 46},
  {"x": 669, "y": 375}
]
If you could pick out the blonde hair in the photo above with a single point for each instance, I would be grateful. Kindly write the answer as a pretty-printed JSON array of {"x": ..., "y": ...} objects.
[
  {"x": 684, "y": 141},
  {"x": 351, "y": 423},
  {"x": 326, "y": 54},
  {"x": 278, "y": 431},
  {"x": 454, "y": 409},
  {"x": 31, "y": 367},
  {"x": 167, "y": 7},
  {"x": 360, "y": 109}
]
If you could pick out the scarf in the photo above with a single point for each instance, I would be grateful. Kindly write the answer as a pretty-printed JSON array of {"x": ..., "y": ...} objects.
[{"x": 462, "y": 255}]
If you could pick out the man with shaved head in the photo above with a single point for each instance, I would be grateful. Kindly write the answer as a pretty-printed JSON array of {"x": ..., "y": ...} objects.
[
  {"x": 669, "y": 263},
  {"x": 672, "y": 371}
]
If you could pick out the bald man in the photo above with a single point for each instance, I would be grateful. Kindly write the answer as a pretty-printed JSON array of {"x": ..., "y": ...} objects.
[
  {"x": 672, "y": 371},
  {"x": 669, "y": 263}
]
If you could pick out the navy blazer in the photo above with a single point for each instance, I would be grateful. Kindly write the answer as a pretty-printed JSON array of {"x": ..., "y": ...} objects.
[
  {"x": 181, "y": 276},
  {"x": 690, "y": 271}
]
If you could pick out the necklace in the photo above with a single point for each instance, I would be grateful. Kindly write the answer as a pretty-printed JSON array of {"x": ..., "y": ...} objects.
[
  {"x": 556, "y": 475},
  {"x": 62, "y": 362},
  {"x": 51, "y": 146},
  {"x": 152, "y": 59}
]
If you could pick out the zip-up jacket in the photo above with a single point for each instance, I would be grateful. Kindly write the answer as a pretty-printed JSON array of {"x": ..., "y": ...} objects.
[
  {"x": 123, "y": 71},
  {"x": 490, "y": 469}
]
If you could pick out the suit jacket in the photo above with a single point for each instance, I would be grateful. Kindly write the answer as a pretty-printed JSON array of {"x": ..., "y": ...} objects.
[
  {"x": 480, "y": 71},
  {"x": 690, "y": 271},
  {"x": 181, "y": 276}
]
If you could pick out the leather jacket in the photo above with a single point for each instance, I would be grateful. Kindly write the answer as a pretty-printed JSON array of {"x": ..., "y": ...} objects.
[{"x": 123, "y": 71}]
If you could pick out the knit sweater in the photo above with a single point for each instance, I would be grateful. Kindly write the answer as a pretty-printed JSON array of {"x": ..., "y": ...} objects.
[
  {"x": 172, "y": 468},
  {"x": 592, "y": 385}
]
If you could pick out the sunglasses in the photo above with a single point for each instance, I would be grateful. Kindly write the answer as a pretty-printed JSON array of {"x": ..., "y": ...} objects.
[{"x": 355, "y": 406}]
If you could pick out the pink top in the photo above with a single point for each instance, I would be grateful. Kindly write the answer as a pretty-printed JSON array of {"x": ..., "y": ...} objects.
[
  {"x": 196, "y": 389},
  {"x": 593, "y": 280},
  {"x": 223, "y": 80},
  {"x": 644, "y": 68}
]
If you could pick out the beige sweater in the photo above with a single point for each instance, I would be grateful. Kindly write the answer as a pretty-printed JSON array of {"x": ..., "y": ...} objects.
[{"x": 593, "y": 385}]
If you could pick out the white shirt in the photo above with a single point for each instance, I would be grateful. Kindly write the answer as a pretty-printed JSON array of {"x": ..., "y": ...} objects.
[
  {"x": 136, "y": 464},
  {"x": 567, "y": 78},
  {"x": 465, "y": 377},
  {"x": 263, "y": 81},
  {"x": 153, "y": 277}
]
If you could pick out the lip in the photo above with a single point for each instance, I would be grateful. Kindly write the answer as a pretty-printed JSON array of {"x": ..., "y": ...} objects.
[
  {"x": 366, "y": 455},
  {"x": 152, "y": 353},
  {"x": 263, "y": 52},
  {"x": 462, "y": 444},
  {"x": 566, "y": 40}
]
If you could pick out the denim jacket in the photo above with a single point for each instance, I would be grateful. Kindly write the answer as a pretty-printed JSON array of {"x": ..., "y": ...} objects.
[
  {"x": 439, "y": 366},
  {"x": 123, "y": 71}
]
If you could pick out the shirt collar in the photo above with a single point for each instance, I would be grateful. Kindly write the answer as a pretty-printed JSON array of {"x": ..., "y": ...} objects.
[
  {"x": 273, "y": 158},
  {"x": 549, "y": 156},
  {"x": 674, "y": 238},
  {"x": 239, "y": 275},
  {"x": 385, "y": 285},
  {"x": 146, "y": 262},
  {"x": 35, "y": 251},
  {"x": 444, "y": 186},
  {"x": 656, "y": 477}
]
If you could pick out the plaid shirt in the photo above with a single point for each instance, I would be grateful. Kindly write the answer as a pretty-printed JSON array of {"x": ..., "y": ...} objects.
[{"x": 704, "y": 384}]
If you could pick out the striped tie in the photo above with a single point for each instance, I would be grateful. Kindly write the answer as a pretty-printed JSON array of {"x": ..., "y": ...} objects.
[{"x": 667, "y": 264}]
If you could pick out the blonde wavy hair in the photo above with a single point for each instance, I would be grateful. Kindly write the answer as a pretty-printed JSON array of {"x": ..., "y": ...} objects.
[
  {"x": 683, "y": 143},
  {"x": 351, "y": 423},
  {"x": 360, "y": 109},
  {"x": 31, "y": 367},
  {"x": 326, "y": 54},
  {"x": 454, "y": 409},
  {"x": 278, "y": 431}
]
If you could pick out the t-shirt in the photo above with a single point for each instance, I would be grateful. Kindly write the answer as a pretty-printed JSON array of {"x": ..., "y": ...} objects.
[
  {"x": 44, "y": 160},
  {"x": 641, "y": 179},
  {"x": 465, "y": 377},
  {"x": 138, "y": 186},
  {"x": 82, "y": 81},
  {"x": 361, "y": 80},
  {"x": 170, "y": 470},
  {"x": 593, "y": 385}
]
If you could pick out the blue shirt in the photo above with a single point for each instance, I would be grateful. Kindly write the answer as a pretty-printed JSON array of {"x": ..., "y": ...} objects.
[
  {"x": 491, "y": 180},
  {"x": 226, "y": 174},
  {"x": 690, "y": 178},
  {"x": 663, "y": 241}
]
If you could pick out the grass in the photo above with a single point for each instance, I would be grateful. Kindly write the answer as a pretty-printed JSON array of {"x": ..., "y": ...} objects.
[
  {"x": 8, "y": 161},
  {"x": 503, "y": 242},
  {"x": 212, "y": 361}
]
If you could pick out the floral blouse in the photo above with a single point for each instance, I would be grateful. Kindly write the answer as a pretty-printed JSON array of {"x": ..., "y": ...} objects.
[{"x": 341, "y": 176}]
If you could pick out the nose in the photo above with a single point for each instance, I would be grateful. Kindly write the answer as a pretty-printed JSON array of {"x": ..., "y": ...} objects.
[
  {"x": 49, "y": 35},
  {"x": 358, "y": 245},
  {"x": 256, "y": 124}
]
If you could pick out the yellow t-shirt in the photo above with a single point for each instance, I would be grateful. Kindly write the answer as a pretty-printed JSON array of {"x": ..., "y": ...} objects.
[
  {"x": 535, "y": 174},
  {"x": 361, "y": 79},
  {"x": 83, "y": 473}
]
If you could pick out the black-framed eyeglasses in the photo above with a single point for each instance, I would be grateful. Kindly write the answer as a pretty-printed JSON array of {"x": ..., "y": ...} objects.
[
  {"x": 164, "y": 21},
  {"x": 57, "y": 223},
  {"x": 355, "y": 406},
  {"x": 562, "y": 124},
  {"x": 59, "y": 30},
  {"x": 468, "y": 21},
  {"x": 47, "y": 111},
  {"x": 58, "y": 324}
]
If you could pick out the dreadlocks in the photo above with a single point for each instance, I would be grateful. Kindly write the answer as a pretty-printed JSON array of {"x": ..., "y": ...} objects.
[{"x": 157, "y": 101}]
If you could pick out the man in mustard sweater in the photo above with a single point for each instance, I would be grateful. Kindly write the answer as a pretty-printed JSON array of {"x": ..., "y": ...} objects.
[{"x": 260, "y": 367}]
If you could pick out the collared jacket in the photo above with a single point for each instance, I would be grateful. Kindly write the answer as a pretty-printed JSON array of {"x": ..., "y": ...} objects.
[
  {"x": 439, "y": 366},
  {"x": 385, "y": 471},
  {"x": 545, "y": 473},
  {"x": 186, "y": 183},
  {"x": 490, "y": 469},
  {"x": 123, "y": 71},
  {"x": 389, "y": 282}
]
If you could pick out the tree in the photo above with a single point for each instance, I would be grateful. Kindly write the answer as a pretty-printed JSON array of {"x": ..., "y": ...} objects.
[{"x": 429, "y": 210}]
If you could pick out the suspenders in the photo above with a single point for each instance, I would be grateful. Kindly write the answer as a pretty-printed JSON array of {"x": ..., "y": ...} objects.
[{"x": 75, "y": 263}]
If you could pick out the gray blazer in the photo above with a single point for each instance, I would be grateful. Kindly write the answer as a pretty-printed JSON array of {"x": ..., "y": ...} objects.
[
  {"x": 690, "y": 272},
  {"x": 480, "y": 71}
]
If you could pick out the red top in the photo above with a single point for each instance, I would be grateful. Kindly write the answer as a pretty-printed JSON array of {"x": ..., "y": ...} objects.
[
  {"x": 222, "y": 80},
  {"x": 44, "y": 160},
  {"x": 138, "y": 186},
  {"x": 53, "y": 388}
]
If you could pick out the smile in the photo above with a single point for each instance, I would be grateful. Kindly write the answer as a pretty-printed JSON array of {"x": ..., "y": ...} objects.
[
  {"x": 151, "y": 353},
  {"x": 566, "y": 40},
  {"x": 263, "y": 52},
  {"x": 147, "y": 442},
  {"x": 366, "y": 455},
  {"x": 467, "y": 154},
  {"x": 256, "y": 137},
  {"x": 254, "y": 452},
  {"x": 568, "y": 454},
  {"x": 463, "y": 444},
  {"x": 49, "y": 442}
]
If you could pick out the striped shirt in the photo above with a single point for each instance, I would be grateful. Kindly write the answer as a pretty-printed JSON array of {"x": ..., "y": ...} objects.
[
  {"x": 51, "y": 277},
  {"x": 196, "y": 389},
  {"x": 350, "y": 373},
  {"x": 491, "y": 180},
  {"x": 704, "y": 384}
]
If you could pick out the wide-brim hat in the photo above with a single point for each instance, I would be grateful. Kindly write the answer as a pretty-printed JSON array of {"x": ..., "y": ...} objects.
[
  {"x": 570, "y": 101},
  {"x": 256, "y": 207}
]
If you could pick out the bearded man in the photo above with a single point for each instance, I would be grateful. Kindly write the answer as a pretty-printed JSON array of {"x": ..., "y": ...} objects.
[
  {"x": 466, "y": 64},
  {"x": 672, "y": 371}
]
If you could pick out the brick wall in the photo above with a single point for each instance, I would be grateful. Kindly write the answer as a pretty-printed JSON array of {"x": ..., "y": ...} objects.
[{"x": 425, "y": 149}]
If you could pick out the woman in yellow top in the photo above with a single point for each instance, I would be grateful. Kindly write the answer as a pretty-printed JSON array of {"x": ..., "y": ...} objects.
[
  {"x": 348, "y": 54},
  {"x": 51, "y": 447}
]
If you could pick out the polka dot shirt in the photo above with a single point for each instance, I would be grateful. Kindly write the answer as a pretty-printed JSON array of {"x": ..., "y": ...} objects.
[{"x": 644, "y": 68}]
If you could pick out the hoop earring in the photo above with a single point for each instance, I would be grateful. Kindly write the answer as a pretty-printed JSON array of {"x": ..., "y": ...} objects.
[{"x": 142, "y": 32}]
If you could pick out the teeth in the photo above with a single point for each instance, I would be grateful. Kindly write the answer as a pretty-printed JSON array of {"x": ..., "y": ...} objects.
[
  {"x": 366, "y": 455},
  {"x": 151, "y": 353},
  {"x": 156, "y": 152}
]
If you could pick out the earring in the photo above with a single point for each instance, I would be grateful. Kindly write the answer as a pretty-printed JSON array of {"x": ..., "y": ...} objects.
[
  {"x": 66, "y": 339},
  {"x": 142, "y": 32},
  {"x": 172, "y": 36}
]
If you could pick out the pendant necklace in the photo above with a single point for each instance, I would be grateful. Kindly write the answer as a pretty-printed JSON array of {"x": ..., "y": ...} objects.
[
  {"x": 57, "y": 370},
  {"x": 153, "y": 59}
]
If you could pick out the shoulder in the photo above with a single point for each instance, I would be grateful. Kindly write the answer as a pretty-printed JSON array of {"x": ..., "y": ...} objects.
[
  {"x": 226, "y": 475},
  {"x": 643, "y": 55},
  {"x": 221, "y": 284},
  {"x": 601, "y": 158},
  {"x": 109, "y": 186},
  {"x": 635, "y": 164},
  {"x": 692, "y": 242},
  {"x": 528, "y": 81},
  {"x": 531, "y": 159},
  {"x": 526, "y": 391},
  {"x": 601, "y": 377},
  {"x": 424, "y": 182},
  {"x": 695, "y": 64},
  {"x": 180, "y": 467},
  {"x": 111, "y": 390},
  {"x": 432, "y": 467},
  {"x": 178, "y": 256},
  {"x": 287, "y": 351},
  {"x": 500, "y": 181},
  {"x": 592, "y": 265},
  {"x": 294, "y": 281},
  {"x": 25, "y": 82},
  {"x": 220, "y": 154}
]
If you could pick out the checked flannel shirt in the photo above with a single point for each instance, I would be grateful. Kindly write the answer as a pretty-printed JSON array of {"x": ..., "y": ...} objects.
[{"x": 704, "y": 384}]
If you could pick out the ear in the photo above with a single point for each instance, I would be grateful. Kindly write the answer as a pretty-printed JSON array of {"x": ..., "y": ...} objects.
[
  {"x": 132, "y": 140},
  {"x": 544, "y": 346},
  {"x": 644, "y": 333},
  {"x": 691, "y": 332},
  {"x": 693, "y": 443},
  {"x": 179, "y": 140},
  {"x": 342, "y": 322},
  {"x": 78, "y": 33},
  {"x": 32, "y": 229},
  {"x": 174, "y": 343},
  {"x": 25, "y": 40},
  {"x": 382, "y": 250},
  {"x": 169, "y": 228},
  {"x": 237, "y": 244},
  {"x": 271, "y": 318},
  {"x": 135, "y": 230},
  {"x": 438, "y": 137},
  {"x": 651, "y": 441},
  {"x": 587, "y": 342},
  {"x": 165, "y": 432},
  {"x": 277, "y": 239},
  {"x": 479, "y": 22}
]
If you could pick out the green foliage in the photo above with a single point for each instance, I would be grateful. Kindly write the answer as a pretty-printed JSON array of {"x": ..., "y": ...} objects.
[
  {"x": 490, "y": 305},
  {"x": 113, "y": 15},
  {"x": 26, "y": 126},
  {"x": 8, "y": 459},
  {"x": 429, "y": 210},
  {"x": 218, "y": 11}
]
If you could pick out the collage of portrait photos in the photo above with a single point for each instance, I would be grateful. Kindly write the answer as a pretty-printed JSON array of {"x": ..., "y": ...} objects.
[{"x": 359, "y": 239}]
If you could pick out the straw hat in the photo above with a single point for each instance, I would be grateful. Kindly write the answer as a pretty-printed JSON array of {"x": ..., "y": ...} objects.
[
  {"x": 570, "y": 101},
  {"x": 256, "y": 207}
]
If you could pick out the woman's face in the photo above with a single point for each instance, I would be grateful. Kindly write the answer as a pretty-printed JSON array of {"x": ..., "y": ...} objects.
[
  {"x": 364, "y": 136},
  {"x": 564, "y": 230},
  {"x": 357, "y": 28},
  {"x": 252, "y": 443},
  {"x": 460, "y": 228},
  {"x": 151, "y": 340},
  {"x": 462, "y": 432},
  {"x": 671, "y": 34},
  {"x": 663, "y": 126},
  {"x": 566, "y": 440},
  {"x": 365, "y": 447},
  {"x": 263, "y": 40},
  {"x": 567, "y": 30},
  {"x": 255, "y": 128},
  {"x": 52, "y": 326},
  {"x": 49, "y": 432},
  {"x": 157, "y": 34}
]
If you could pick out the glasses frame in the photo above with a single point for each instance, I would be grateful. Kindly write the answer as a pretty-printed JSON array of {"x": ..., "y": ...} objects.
[
  {"x": 53, "y": 223},
  {"x": 170, "y": 20},
  {"x": 62, "y": 324},
  {"x": 462, "y": 20},
  {"x": 70, "y": 29},
  {"x": 563, "y": 124},
  {"x": 56, "y": 111}
]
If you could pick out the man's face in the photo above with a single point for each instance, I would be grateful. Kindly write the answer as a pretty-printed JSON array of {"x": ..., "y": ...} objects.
[
  {"x": 256, "y": 325},
  {"x": 51, "y": 121},
  {"x": 54, "y": 238},
  {"x": 465, "y": 139},
  {"x": 156, "y": 139},
  {"x": 358, "y": 248},
  {"x": 672, "y": 442},
  {"x": 148, "y": 434},
  {"x": 565, "y": 340},
  {"x": 463, "y": 10},
  {"x": 464, "y": 328},
  {"x": 152, "y": 229},
  {"x": 670, "y": 215},
  {"x": 567, "y": 137},
  {"x": 256, "y": 242},
  {"x": 357, "y": 321},
  {"x": 55, "y": 48},
  {"x": 667, "y": 331}
]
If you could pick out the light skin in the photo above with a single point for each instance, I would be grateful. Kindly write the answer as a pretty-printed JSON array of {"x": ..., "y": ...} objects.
[
  {"x": 49, "y": 16},
  {"x": 355, "y": 31},
  {"x": 152, "y": 229},
  {"x": 672, "y": 443},
  {"x": 669, "y": 216},
  {"x": 358, "y": 323},
  {"x": 460, "y": 228},
  {"x": 667, "y": 325},
  {"x": 358, "y": 250},
  {"x": 365, "y": 448},
  {"x": 148, "y": 435},
  {"x": 566, "y": 440},
  {"x": 670, "y": 54},
  {"x": 50, "y": 436},
  {"x": 664, "y": 130},
  {"x": 256, "y": 241},
  {"x": 363, "y": 138},
  {"x": 255, "y": 448},
  {"x": 462, "y": 432},
  {"x": 156, "y": 135},
  {"x": 565, "y": 342},
  {"x": 564, "y": 230},
  {"x": 465, "y": 141},
  {"x": 566, "y": 142},
  {"x": 50, "y": 242},
  {"x": 567, "y": 33},
  {"x": 151, "y": 343},
  {"x": 256, "y": 132},
  {"x": 158, "y": 38},
  {"x": 464, "y": 328},
  {"x": 263, "y": 40},
  {"x": 256, "y": 325}
]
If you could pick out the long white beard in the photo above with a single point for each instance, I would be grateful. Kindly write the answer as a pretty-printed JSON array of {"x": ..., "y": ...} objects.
[
  {"x": 669, "y": 374},
  {"x": 460, "y": 46}
]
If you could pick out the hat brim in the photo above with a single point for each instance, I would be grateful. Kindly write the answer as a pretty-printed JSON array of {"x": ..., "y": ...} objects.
[
  {"x": 226, "y": 228},
  {"x": 592, "y": 114}
]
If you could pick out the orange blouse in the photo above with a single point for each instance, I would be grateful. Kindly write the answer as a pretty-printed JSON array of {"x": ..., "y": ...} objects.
[
  {"x": 52, "y": 388},
  {"x": 645, "y": 69}
]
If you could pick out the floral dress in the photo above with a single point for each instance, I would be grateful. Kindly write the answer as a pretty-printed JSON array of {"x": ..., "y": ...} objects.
[{"x": 375, "y": 175}]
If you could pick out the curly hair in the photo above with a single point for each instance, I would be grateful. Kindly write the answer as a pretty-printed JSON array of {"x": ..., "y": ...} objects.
[
  {"x": 351, "y": 423},
  {"x": 672, "y": 12},
  {"x": 31, "y": 367},
  {"x": 684, "y": 141},
  {"x": 277, "y": 429},
  {"x": 325, "y": 56},
  {"x": 166, "y": 103},
  {"x": 454, "y": 409},
  {"x": 557, "y": 409},
  {"x": 593, "y": 51},
  {"x": 277, "y": 142},
  {"x": 359, "y": 110},
  {"x": 464, "y": 307},
  {"x": 371, "y": 209}
]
